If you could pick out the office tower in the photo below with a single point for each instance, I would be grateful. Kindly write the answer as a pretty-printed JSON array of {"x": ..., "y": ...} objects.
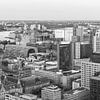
[
  {"x": 65, "y": 56},
  {"x": 95, "y": 88},
  {"x": 85, "y": 50},
  {"x": 88, "y": 69},
  {"x": 51, "y": 93}
]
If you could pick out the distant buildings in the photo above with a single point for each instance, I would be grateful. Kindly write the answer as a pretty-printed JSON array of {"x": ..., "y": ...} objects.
[
  {"x": 51, "y": 93},
  {"x": 64, "y": 33}
]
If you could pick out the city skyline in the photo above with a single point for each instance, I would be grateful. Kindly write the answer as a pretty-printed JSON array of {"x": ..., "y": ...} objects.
[{"x": 49, "y": 10}]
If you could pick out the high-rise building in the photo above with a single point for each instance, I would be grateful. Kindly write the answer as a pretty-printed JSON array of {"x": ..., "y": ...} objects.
[
  {"x": 88, "y": 69},
  {"x": 51, "y": 93},
  {"x": 85, "y": 50},
  {"x": 95, "y": 88},
  {"x": 77, "y": 50},
  {"x": 65, "y": 56},
  {"x": 96, "y": 44},
  {"x": 64, "y": 33}
]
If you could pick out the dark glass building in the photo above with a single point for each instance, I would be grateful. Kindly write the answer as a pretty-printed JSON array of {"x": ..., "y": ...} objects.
[
  {"x": 64, "y": 57},
  {"x": 95, "y": 57},
  {"x": 85, "y": 51},
  {"x": 95, "y": 88}
]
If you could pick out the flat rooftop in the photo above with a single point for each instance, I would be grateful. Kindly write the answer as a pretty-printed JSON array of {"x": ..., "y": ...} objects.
[
  {"x": 75, "y": 91},
  {"x": 71, "y": 72}
]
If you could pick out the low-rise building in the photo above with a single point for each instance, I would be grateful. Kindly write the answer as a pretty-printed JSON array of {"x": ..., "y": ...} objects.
[
  {"x": 51, "y": 93},
  {"x": 19, "y": 96},
  {"x": 77, "y": 94},
  {"x": 76, "y": 84}
]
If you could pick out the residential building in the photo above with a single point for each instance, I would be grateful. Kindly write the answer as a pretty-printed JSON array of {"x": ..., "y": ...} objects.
[{"x": 88, "y": 69}]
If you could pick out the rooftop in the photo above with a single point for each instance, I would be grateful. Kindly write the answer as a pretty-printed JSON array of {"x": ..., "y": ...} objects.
[
  {"x": 96, "y": 77},
  {"x": 71, "y": 72},
  {"x": 75, "y": 91}
]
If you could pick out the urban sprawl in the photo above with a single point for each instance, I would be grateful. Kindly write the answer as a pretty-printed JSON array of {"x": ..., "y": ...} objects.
[{"x": 49, "y": 60}]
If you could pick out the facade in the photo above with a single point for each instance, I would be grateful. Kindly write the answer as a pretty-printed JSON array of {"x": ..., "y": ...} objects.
[
  {"x": 88, "y": 69},
  {"x": 67, "y": 77},
  {"x": 95, "y": 57},
  {"x": 51, "y": 93},
  {"x": 96, "y": 44},
  {"x": 76, "y": 84},
  {"x": 95, "y": 88},
  {"x": 65, "y": 57},
  {"x": 77, "y": 50},
  {"x": 85, "y": 50},
  {"x": 63, "y": 79},
  {"x": 64, "y": 33},
  {"x": 33, "y": 84},
  {"x": 77, "y": 94}
]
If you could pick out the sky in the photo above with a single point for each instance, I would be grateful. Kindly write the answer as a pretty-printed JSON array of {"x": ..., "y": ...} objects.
[{"x": 49, "y": 9}]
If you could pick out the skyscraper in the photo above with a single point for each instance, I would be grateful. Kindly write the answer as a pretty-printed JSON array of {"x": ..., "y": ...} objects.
[{"x": 65, "y": 56}]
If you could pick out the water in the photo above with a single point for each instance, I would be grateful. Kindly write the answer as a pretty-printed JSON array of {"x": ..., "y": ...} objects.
[{"x": 4, "y": 34}]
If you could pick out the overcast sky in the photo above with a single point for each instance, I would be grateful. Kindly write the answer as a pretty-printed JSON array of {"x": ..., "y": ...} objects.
[{"x": 50, "y": 9}]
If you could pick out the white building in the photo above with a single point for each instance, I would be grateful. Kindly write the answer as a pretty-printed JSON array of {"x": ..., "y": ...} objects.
[
  {"x": 77, "y": 50},
  {"x": 65, "y": 33},
  {"x": 96, "y": 44},
  {"x": 88, "y": 69},
  {"x": 51, "y": 93},
  {"x": 76, "y": 84}
]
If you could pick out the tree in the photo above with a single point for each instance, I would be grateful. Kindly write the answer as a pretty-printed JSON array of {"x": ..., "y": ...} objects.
[{"x": 5, "y": 42}]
